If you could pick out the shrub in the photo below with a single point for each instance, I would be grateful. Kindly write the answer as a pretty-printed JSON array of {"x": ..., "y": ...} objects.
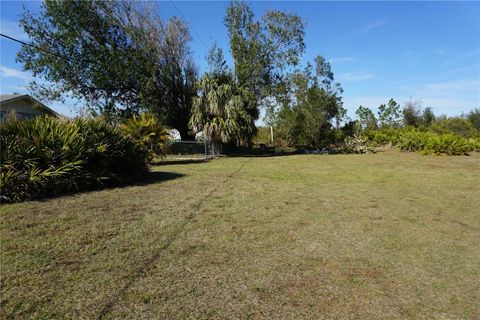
[
  {"x": 448, "y": 144},
  {"x": 47, "y": 156},
  {"x": 383, "y": 137},
  {"x": 412, "y": 139},
  {"x": 355, "y": 144},
  {"x": 147, "y": 131},
  {"x": 475, "y": 144},
  {"x": 263, "y": 136}
]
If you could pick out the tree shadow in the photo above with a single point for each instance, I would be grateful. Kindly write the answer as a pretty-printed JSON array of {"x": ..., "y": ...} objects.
[
  {"x": 146, "y": 179},
  {"x": 186, "y": 161},
  {"x": 261, "y": 155},
  {"x": 155, "y": 177},
  {"x": 151, "y": 177}
]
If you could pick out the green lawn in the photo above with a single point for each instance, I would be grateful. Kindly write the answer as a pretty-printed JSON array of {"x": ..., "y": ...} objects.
[{"x": 382, "y": 236}]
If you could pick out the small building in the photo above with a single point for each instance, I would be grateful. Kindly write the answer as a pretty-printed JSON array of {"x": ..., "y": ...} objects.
[{"x": 24, "y": 106}]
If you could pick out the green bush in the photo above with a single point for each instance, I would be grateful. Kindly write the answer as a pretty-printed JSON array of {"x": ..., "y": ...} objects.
[
  {"x": 147, "y": 131},
  {"x": 46, "y": 156},
  {"x": 412, "y": 139},
  {"x": 448, "y": 144},
  {"x": 475, "y": 144},
  {"x": 382, "y": 137},
  {"x": 262, "y": 136}
]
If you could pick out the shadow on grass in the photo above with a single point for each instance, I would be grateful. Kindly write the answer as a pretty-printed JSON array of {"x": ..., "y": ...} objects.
[
  {"x": 260, "y": 155},
  {"x": 147, "y": 179},
  {"x": 294, "y": 153},
  {"x": 154, "y": 177},
  {"x": 185, "y": 161}
]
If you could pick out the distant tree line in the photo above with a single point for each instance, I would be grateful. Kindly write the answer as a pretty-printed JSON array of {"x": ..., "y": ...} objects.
[{"x": 412, "y": 115}]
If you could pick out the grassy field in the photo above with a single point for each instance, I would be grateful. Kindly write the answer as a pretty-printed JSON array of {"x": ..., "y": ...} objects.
[{"x": 382, "y": 236}]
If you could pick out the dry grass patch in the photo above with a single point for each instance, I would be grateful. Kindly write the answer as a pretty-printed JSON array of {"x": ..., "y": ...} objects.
[{"x": 388, "y": 235}]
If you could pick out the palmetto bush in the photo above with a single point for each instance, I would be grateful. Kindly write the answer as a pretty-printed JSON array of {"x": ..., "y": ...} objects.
[
  {"x": 47, "y": 156},
  {"x": 475, "y": 144},
  {"x": 448, "y": 144},
  {"x": 412, "y": 139},
  {"x": 383, "y": 137},
  {"x": 147, "y": 131}
]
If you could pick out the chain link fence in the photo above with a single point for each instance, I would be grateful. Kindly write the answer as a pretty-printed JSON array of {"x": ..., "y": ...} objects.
[{"x": 192, "y": 150}]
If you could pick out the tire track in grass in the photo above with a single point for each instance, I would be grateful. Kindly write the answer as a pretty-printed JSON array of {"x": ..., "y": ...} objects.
[{"x": 145, "y": 267}]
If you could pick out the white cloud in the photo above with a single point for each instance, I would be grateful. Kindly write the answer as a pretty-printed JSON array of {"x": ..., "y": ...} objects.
[
  {"x": 447, "y": 104},
  {"x": 12, "y": 29},
  {"x": 448, "y": 89},
  {"x": 354, "y": 76},
  {"x": 6, "y": 72},
  {"x": 440, "y": 51},
  {"x": 462, "y": 56},
  {"x": 437, "y": 75},
  {"x": 461, "y": 85},
  {"x": 450, "y": 97},
  {"x": 371, "y": 26},
  {"x": 342, "y": 59},
  {"x": 13, "y": 88}
]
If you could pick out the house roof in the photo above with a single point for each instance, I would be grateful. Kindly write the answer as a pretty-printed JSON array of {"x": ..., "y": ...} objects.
[
  {"x": 4, "y": 98},
  {"x": 7, "y": 97}
]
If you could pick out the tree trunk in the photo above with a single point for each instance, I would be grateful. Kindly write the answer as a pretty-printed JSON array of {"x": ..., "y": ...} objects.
[{"x": 185, "y": 134}]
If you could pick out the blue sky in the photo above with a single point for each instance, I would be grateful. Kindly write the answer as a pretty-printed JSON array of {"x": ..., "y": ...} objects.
[{"x": 378, "y": 50}]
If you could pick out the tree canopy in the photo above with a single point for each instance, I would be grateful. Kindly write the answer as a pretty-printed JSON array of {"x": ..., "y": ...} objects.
[
  {"x": 118, "y": 56},
  {"x": 366, "y": 118},
  {"x": 221, "y": 110},
  {"x": 389, "y": 114},
  {"x": 262, "y": 51},
  {"x": 311, "y": 103}
]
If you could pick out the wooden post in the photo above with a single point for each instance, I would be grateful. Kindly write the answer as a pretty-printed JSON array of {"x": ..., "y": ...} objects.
[{"x": 205, "y": 149}]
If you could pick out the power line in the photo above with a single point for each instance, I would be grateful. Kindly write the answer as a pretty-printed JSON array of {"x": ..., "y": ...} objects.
[
  {"x": 195, "y": 31},
  {"x": 38, "y": 48},
  {"x": 51, "y": 53}
]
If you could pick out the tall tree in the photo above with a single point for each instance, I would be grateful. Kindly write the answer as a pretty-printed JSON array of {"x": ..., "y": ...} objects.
[
  {"x": 412, "y": 113},
  {"x": 118, "y": 56},
  {"x": 174, "y": 86},
  {"x": 314, "y": 103},
  {"x": 428, "y": 117},
  {"x": 389, "y": 114},
  {"x": 262, "y": 50},
  {"x": 366, "y": 118},
  {"x": 219, "y": 111},
  {"x": 474, "y": 117}
]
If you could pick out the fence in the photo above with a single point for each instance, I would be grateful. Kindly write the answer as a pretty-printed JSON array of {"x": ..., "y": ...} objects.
[{"x": 192, "y": 150}]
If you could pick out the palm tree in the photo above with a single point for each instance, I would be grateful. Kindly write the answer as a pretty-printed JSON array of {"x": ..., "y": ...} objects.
[{"x": 220, "y": 110}]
